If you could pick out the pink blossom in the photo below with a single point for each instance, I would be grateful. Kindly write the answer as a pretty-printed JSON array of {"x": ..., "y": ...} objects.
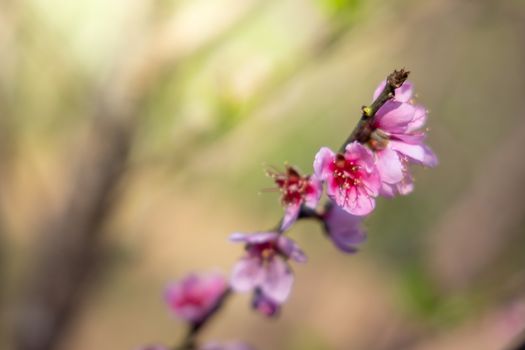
[
  {"x": 265, "y": 265},
  {"x": 345, "y": 230},
  {"x": 296, "y": 190},
  {"x": 194, "y": 296},
  {"x": 352, "y": 178},
  {"x": 397, "y": 140}
]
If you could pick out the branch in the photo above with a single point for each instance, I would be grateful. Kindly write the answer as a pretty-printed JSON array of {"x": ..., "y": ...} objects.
[
  {"x": 363, "y": 129},
  {"x": 361, "y": 133}
]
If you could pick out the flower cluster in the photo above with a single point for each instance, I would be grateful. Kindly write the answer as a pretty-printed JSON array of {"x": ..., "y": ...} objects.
[
  {"x": 373, "y": 162},
  {"x": 353, "y": 179}
]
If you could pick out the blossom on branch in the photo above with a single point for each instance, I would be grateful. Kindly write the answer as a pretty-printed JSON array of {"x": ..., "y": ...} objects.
[
  {"x": 398, "y": 140},
  {"x": 296, "y": 190},
  {"x": 192, "y": 298},
  {"x": 265, "y": 267},
  {"x": 351, "y": 178}
]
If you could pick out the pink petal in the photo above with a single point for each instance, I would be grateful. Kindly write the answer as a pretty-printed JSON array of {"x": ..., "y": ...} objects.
[
  {"x": 416, "y": 152},
  {"x": 402, "y": 94},
  {"x": 416, "y": 137},
  {"x": 312, "y": 198},
  {"x": 419, "y": 120},
  {"x": 357, "y": 152},
  {"x": 364, "y": 205},
  {"x": 278, "y": 280},
  {"x": 389, "y": 166},
  {"x": 253, "y": 238},
  {"x": 372, "y": 183},
  {"x": 289, "y": 248},
  {"x": 290, "y": 216},
  {"x": 430, "y": 159},
  {"x": 388, "y": 190},
  {"x": 323, "y": 158},
  {"x": 395, "y": 117},
  {"x": 344, "y": 229},
  {"x": 355, "y": 201},
  {"x": 247, "y": 274},
  {"x": 406, "y": 186}
]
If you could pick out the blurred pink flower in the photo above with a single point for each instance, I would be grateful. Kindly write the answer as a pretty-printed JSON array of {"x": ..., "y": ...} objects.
[
  {"x": 296, "y": 190},
  {"x": 265, "y": 265},
  {"x": 352, "y": 178},
  {"x": 398, "y": 140},
  {"x": 193, "y": 297},
  {"x": 345, "y": 230}
]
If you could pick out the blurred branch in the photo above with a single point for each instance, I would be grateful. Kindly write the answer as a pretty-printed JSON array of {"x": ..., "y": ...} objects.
[
  {"x": 519, "y": 343},
  {"x": 66, "y": 258},
  {"x": 66, "y": 261}
]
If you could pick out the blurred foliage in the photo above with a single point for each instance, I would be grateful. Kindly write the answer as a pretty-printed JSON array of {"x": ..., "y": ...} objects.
[{"x": 239, "y": 86}]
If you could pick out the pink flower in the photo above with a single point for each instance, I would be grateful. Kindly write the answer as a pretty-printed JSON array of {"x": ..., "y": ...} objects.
[
  {"x": 193, "y": 297},
  {"x": 352, "y": 178},
  {"x": 344, "y": 229},
  {"x": 265, "y": 265},
  {"x": 398, "y": 140},
  {"x": 296, "y": 190}
]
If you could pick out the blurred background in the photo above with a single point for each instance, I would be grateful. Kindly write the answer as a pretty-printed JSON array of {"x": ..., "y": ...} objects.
[{"x": 134, "y": 135}]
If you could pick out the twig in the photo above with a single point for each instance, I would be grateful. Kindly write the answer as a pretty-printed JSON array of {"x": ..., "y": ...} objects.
[
  {"x": 363, "y": 129},
  {"x": 66, "y": 261}
]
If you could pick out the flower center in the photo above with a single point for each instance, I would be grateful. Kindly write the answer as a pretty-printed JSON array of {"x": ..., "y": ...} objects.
[
  {"x": 292, "y": 185},
  {"x": 266, "y": 251},
  {"x": 347, "y": 173}
]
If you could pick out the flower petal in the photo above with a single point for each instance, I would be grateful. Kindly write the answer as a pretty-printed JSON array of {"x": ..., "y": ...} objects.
[
  {"x": 323, "y": 158},
  {"x": 419, "y": 120},
  {"x": 357, "y": 152},
  {"x": 345, "y": 230},
  {"x": 278, "y": 280},
  {"x": 389, "y": 166},
  {"x": 413, "y": 151},
  {"x": 395, "y": 117},
  {"x": 406, "y": 186},
  {"x": 355, "y": 201},
  {"x": 430, "y": 159},
  {"x": 290, "y": 216},
  {"x": 402, "y": 94},
  {"x": 290, "y": 249},
  {"x": 247, "y": 273},
  {"x": 253, "y": 238},
  {"x": 314, "y": 192}
]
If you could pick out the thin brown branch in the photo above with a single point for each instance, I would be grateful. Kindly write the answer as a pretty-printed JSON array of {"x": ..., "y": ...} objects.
[
  {"x": 66, "y": 261},
  {"x": 364, "y": 127}
]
